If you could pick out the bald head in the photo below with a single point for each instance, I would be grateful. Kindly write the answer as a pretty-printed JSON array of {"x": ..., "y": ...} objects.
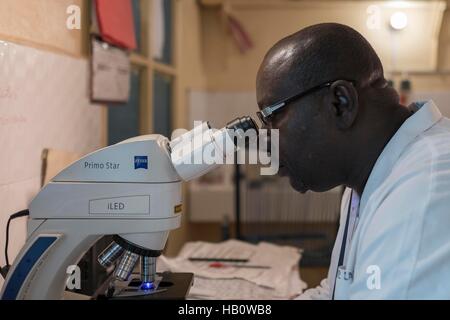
[
  {"x": 318, "y": 54},
  {"x": 334, "y": 134}
]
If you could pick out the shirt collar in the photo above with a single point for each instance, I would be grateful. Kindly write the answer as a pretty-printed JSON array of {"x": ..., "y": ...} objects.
[{"x": 426, "y": 114}]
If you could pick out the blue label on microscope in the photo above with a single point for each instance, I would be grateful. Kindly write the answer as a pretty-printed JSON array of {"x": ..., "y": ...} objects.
[{"x": 140, "y": 162}]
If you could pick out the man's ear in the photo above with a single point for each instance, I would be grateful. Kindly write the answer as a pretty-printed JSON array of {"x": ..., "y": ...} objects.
[{"x": 344, "y": 103}]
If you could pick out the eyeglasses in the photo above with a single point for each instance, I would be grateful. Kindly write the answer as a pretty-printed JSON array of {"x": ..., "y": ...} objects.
[{"x": 265, "y": 114}]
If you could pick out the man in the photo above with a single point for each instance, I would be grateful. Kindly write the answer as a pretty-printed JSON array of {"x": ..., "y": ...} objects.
[{"x": 340, "y": 123}]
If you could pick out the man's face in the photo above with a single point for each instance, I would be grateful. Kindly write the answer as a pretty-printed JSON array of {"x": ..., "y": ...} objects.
[{"x": 308, "y": 139}]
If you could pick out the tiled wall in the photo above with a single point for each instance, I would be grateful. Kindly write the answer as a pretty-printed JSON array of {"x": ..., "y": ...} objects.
[{"x": 44, "y": 103}]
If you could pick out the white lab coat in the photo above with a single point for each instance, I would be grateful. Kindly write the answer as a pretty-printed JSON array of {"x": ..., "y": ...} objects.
[{"x": 400, "y": 248}]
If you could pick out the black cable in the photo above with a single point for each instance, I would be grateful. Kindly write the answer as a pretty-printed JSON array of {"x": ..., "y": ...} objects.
[{"x": 19, "y": 214}]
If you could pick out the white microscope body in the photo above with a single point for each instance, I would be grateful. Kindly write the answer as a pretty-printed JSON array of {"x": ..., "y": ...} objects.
[{"x": 131, "y": 190}]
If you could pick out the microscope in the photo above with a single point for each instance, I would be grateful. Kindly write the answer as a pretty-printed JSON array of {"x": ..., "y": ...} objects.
[{"x": 132, "y": 191}]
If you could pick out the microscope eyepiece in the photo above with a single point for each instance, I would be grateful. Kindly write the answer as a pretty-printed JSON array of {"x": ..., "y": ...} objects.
[
  {"x": 241, "y": 130},
  {"x": 188, "y": 151},
  {"x": 242, "y": 123}
]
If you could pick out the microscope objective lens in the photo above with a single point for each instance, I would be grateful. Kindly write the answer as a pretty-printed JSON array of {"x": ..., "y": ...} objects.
[
  {"x": 110, "y": 255},
  {"x": 126, "y": 265},
  {"x": 148, "y": 269}
]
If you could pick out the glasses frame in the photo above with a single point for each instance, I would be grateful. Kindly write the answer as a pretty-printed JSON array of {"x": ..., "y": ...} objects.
[{"x": 266, "y": 113}]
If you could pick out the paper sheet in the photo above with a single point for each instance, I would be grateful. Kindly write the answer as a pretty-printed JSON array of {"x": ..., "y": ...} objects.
[
  {"x": 230, "y": 289},
  {"x": 110, "y": 73},
  {"x": 281, "y": 281}
]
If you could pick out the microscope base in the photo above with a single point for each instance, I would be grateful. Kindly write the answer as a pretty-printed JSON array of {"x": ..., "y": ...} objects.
[{"x": 172, "y": 286}]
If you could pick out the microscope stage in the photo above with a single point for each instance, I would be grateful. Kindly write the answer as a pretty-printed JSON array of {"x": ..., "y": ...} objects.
[{"x": 168, "y": 286}]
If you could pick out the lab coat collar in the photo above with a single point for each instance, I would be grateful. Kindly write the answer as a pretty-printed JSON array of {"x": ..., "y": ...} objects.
[{"x": 425, "y": 116}]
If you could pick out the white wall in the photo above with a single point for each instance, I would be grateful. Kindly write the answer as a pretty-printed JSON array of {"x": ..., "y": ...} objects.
[
  {"x": 421, "y": 46},
  {"x": 44, "y": 103}
]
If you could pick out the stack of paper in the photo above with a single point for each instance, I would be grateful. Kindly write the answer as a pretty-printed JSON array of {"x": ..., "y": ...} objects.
[{"x": 278, "y": 278}]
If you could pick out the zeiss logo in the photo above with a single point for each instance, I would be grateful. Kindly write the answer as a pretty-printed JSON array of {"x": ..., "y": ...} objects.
[{"x": 140, "y": 162}]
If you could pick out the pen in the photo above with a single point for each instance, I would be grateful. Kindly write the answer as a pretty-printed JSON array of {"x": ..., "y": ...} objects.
[
  {"x": 217, "y": 259},
  {"x": 222, "y": 265}
]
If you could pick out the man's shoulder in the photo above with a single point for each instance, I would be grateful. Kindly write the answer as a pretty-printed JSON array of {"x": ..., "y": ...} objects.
[
  {"x": 420, "y": 173},
  {"x": 436, "y": 135},
  {"x": 425, "y": 151},
  {"x": 420, "y": 170}
]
